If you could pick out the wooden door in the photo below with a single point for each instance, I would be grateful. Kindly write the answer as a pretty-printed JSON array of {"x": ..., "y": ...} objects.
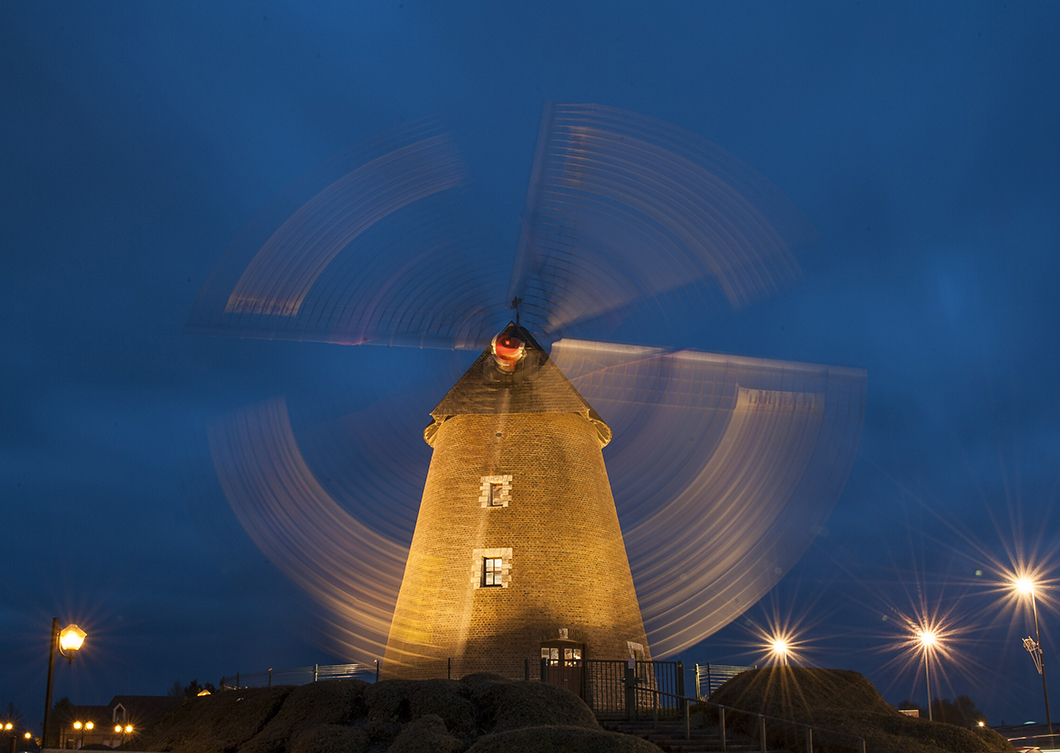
[{"x": 564, "y": 660}]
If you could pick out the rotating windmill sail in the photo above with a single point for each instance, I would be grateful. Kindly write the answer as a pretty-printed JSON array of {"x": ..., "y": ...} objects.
[{"x": 723, "y": 467}]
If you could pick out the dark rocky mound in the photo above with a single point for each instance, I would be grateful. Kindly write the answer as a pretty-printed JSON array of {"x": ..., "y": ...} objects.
[
  {"x": 503, "y": 706},
  {"x": 479, "y": 713},
  {"x": 217, "y": 723},
  {"x": 307, "y": 708},
  {"x": 843, "y": 701}
]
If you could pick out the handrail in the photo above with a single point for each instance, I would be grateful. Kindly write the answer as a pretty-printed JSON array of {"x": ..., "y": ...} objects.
[{"x": 761, "y": 717}]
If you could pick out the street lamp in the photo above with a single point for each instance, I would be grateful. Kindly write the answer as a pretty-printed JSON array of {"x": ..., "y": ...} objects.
[
  {"x": 68, "y": 641},
  {"x": 1026, "y": 587},
  {"x": 780, "y": 650},
  {"x": 123, "y": 731},
  {"x": 83, "y": 727},
  {"x": 927, "y": 639}
]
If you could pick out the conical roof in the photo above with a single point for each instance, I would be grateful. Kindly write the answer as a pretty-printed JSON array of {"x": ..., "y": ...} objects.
[{"x": 536, "y": 385}]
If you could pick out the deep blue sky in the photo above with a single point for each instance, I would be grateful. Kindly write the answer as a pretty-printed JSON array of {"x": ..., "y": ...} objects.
[{"x": 920, "y": 139}]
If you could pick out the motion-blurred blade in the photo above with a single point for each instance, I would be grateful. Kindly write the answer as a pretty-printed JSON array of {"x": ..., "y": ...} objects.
[
  {"x": 349, "y": 561},
  {"x": 371, "y": 247},
  {"x": 622, "y": 208},
  {"x": 724, "y": 469}
]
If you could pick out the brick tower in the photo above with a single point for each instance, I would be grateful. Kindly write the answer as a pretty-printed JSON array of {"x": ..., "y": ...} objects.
[{"x": 517, "y": 550}]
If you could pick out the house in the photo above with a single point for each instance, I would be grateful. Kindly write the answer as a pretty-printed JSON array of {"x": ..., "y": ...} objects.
[{"x": 112, "y": 724}]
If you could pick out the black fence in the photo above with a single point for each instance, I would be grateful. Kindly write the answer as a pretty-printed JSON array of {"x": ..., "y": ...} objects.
[
  {"x": 300, "y": 675},
  {"x": 616, "y": 689},
  {"x": 710, "y": 677}
]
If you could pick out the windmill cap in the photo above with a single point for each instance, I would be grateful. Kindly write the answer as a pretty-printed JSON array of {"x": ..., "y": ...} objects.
[{"x": 515, "y": 375}]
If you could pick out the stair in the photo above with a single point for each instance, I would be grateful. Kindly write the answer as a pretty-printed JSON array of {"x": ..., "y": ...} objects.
[{"x": 670, "y": 736}]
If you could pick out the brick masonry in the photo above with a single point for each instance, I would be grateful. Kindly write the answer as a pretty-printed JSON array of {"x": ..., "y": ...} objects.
[{"x": 564, "y": 560}]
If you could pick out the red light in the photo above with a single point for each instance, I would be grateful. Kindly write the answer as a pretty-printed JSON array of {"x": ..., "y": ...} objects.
[{"x": 508, "y": 350}]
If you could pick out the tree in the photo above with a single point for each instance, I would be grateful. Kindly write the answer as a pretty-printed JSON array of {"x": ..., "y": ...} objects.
[
  {"x": 971, "y": 715},
  {"x": 176, "y": 691},
  {"x": 62, "y": 717},
  {"x": 13, "y": 715}
]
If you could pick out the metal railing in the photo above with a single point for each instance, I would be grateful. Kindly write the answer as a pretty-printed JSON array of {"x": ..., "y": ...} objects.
[
  {"x": 710, "y": 677},
  {"x": 300, "y": 675},
  {"x": 655, "y": 690},
  {"x": 759, "y": 724},
  {"x": 604, "y": 686}
]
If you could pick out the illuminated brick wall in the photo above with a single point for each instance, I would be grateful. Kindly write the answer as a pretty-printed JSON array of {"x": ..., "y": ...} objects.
[{"x": 565, "y": 563}]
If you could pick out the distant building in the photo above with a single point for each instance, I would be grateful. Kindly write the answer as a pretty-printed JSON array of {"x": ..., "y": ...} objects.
[{"x": 96, "y": 725}]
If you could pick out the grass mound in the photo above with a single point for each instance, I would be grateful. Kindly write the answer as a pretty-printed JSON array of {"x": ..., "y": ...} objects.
[{"x": 842, "y": 701}]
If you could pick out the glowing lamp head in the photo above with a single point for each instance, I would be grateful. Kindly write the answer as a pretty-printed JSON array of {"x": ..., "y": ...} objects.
[
  {"x": 779, "y": 647},
  {"x": 9, "y": 725},
  {"x": 27, "y": 735},
  {"x": 128, "y": 729},
  {"x": 982, "y": 723},
  {"x": 117, "y": 728},
  {"x": 71, "y": 638},
  {"x": 90, "y": 726},
  {"x": 927, "y": 638},
  {"x": 1025, "y": 586},
  {"x": 78, "y": 725},
  {"x": 508, "y": 350}
]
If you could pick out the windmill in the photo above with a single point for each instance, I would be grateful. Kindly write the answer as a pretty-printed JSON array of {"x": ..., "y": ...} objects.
[{"x": 724, "y": 467}]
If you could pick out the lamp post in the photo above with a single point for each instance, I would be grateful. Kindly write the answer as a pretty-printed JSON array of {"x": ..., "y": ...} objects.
[
  {"x": 1026, "y": 586},
  {"x": 123, "y": 731},
  {"x": 67, "y": 641},
  {"x": 927, "y": 639}
]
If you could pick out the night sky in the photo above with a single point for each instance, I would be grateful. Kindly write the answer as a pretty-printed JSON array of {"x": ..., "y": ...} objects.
[{"x": 920, "y": 140}]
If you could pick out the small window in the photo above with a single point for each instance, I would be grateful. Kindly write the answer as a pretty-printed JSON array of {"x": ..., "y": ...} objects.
[
  {"x": 495, "y": 491},
  {"x": 494, "y": 495},
  {"x": 491, "y": 571}
]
